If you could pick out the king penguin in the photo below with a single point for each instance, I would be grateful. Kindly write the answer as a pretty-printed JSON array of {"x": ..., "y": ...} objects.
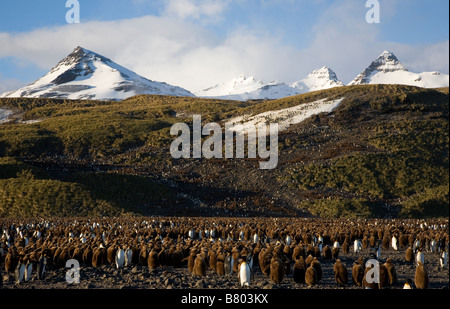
[
  {"x": 421, "y": 276},
  {"x": 40, "y": 267},
  {"x": 120, "y": 258},
  {"x": 228, "y": 264},
  {"x": 244, "y": 274},
  {"x": 340, "y": 273}
]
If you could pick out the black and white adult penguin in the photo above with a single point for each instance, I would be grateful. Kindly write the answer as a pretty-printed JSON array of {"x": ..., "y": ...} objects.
[
  {"x": 20, "y": 270},
  {"x": 228, "y": 264},
  {"x": 41, "y": 266},
  {"x": 120, "y": 258},
  {"x": 340, "y": 273},
  {"x": 421, "y": 276},
  {"x": 128, "y": 256},
  {"x": 28, "y": 269},
  {"x": 408, "y": 284},
  {"x": 443, "y": 258},
  {"x": 420, "y": 256},
  {"x": 299, "y": 270},
  {"x": 394, "y": 243},
  {"x": 357, "y": 246},
  {"x": 249, "y": 260},
  {"x": 244, "y": 274}
]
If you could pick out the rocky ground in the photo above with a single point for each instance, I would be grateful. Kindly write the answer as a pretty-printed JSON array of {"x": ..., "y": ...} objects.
[{"x": 140, "y": 277}]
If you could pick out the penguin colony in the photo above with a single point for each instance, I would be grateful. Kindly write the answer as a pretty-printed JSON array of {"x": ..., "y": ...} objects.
[{"x": 279, "y": 248}]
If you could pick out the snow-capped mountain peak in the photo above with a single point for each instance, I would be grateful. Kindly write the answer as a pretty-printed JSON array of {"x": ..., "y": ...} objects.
[
  {"x": 387, "y": 69},
  {"x": 238, "y": 85},
  {"x": 84, "y": 74},
  {"x": 319, "y": 79}
]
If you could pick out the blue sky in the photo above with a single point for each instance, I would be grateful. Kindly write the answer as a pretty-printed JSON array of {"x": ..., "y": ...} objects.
[{"x": 199, "y": 43}]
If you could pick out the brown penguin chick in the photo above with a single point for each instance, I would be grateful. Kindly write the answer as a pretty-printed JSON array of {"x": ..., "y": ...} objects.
[
  {"x": 235, "y": 254},
  {"x": 371, "y": 284},
  {"x": 199, "y": 266},
  {"x": 10, "y": 262},
  {"x": 391, "y": 271},
  {"x": 220, "y": 265},
  {"x": 327, "y": 253},
  {"x": 311, "y": 276},
  {"x": 143, "y": 256},
  {"x": 62, "y": 258},
  {"x": 310, "y": 250},
  {"x": 335, "y": 253},
  {"x": 358, "y": 273},
  {"x": 317, "y": 252},
  {"x": 316, "y": 264},
  {"x": 385, "y": 242},
  {"x": 297, "y": 252},
  {"x": 276, "y": 270},
  {"x": 372, "y": 241},
  {"x": 345, "y": 248},
  {"x": 177, "y": 258},
  {"x": 421, "y": 276},
  {"x": 77, "y": 254},
  {"x": 309, "y": 260},
  {"x": 264, "y": 262},
  {"x": 97, "y": 258},
  {"x": 191, "y": 260},
  {"x": 365, "y": 242},
  {"x": 409, "y": 255},
  {"x": 340, "y": 273},
  {"x": 152, "y": 260},
  {"x": 163, "y": 257},
  {"x": 111, "y": 254},
  {"x": 212, "y": 257},
  {"x": 384, "y": 277},
  {"x": 299, "y": 270},
  {"x": 87, "y": 256}
]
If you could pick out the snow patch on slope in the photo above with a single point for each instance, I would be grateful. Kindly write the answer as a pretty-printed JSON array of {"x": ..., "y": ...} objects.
[
  {"x": 4, "y": 115},
  {"x": 284, "y": 117}
]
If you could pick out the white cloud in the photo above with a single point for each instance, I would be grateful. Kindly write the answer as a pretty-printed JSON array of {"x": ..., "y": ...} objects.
[
  {"x": 177, "y": 49},
  {"x": 205, "y": 10}
]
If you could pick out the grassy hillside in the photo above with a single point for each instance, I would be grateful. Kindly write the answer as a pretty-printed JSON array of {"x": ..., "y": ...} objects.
[{"x": 382, "y": 152}]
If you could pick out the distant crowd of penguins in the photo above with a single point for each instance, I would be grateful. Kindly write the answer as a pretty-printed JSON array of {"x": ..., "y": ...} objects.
[{"x": 277, "y": 247}]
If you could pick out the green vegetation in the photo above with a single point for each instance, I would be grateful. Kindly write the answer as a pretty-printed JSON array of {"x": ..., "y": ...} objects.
[
  {"x": 385, "y": 144},
  {"x": 27, "y": 191}
]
